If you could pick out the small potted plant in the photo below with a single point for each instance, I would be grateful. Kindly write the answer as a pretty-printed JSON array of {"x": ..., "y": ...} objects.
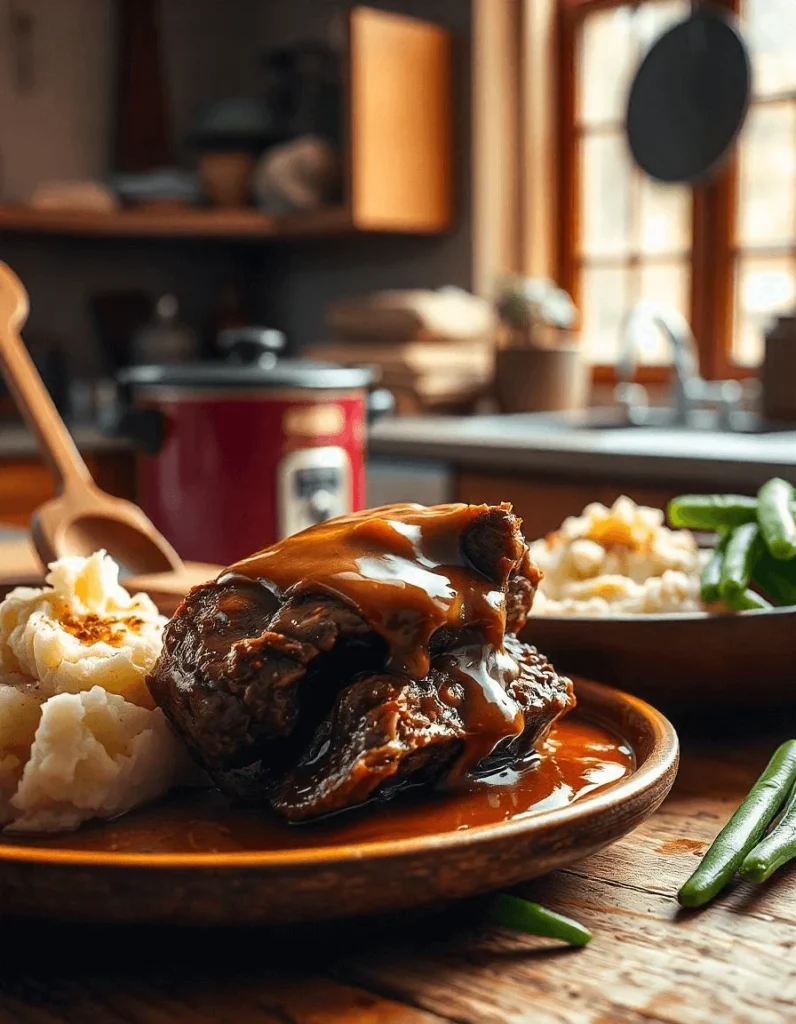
[{"x": 538, "y": 363}]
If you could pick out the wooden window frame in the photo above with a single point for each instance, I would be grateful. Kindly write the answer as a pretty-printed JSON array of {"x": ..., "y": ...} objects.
[
  {"x": 712, "y": 220},
  {"x": 525, "y": 172}
]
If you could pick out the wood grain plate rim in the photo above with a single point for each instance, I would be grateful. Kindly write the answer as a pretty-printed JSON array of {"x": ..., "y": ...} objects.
[{"x": 602, "y": 704}]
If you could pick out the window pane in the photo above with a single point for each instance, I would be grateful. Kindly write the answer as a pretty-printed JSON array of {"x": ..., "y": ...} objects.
[
  {"x": 666, "y": 284},
  {"x": 622, "y": 217},
  {"x": 654, "y": 18},
  {"x": 664, "y": 222},
  {"x": 763, "y": 287},
  {"x": 612, "y": 44},
  {"x": 767, "y": 185},
  {"x": 769, "y": 28},
  {"x": 606, "y": 59},
  {"x": 606, "y": 297},
  {"x": 605, "y": 195}
]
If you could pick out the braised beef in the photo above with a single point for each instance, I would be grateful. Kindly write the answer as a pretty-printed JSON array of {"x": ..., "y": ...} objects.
[{"x": 370, "y": 653}]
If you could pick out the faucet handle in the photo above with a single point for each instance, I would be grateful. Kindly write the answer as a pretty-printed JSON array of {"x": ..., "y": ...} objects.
[{"x": 725, "y": 395}]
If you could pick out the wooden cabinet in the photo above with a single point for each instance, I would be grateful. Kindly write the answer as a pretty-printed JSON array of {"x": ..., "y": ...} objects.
[{"x": 400, "y": 110}]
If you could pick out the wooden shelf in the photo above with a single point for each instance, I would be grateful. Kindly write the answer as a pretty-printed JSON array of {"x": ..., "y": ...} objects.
[
  {"x": 396, "y": 153},
  {"x": 169, "y": 222}
]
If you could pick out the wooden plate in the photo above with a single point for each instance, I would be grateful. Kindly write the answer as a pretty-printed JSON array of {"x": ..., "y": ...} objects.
[
  {"x": 684, "y": 664},
  {"x": 129, "y": 871}
]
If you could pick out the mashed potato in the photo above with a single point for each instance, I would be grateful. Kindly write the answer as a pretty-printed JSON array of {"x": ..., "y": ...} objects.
[
  {"x": 79, "y": 735},
  {"x": 617, "y": 561}
]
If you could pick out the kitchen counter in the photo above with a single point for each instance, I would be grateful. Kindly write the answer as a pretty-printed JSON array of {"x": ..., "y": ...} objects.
[
  {"x": 17, "y": 442},
  {"x": 529, "y": 445}
]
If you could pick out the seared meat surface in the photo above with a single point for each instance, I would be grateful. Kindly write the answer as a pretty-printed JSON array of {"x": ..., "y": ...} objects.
[{"x": 369, "y": 653}]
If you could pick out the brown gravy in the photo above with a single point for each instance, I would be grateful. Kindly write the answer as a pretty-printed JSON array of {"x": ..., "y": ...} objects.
[
  {"x": 579, "y": 758},
  {"x": 404, "y": 568}
]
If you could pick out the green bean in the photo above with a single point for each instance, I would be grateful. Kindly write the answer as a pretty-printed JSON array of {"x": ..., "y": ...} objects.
[
  {"x": 743, "y": 551},
  {"x": 777, "y": 579},
  {"x": 775, "y": 515},
  {"x": 523, "y": 916},
  {"x": 748, "y": 601},
  {"x": 711, "y": 574},
  {"x": 744, "y": 829},
  {"x": 712, "y": 511},
  {"x": 776, "y": 849}
]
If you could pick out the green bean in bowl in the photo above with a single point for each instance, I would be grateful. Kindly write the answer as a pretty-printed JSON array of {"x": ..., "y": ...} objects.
[
  {"x": 712, "y": 511},
  {"x": 753, "y": 563}
]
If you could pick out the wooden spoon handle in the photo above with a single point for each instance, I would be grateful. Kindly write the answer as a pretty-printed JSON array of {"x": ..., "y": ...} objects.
[{"x": 31, "y": 396}]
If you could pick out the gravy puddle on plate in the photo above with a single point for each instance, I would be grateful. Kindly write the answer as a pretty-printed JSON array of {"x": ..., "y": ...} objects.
[{"x": 579, "y": 758}]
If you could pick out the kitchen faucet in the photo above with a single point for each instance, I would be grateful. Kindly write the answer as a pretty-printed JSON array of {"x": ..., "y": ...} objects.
[{"x": 689, "y": 390}]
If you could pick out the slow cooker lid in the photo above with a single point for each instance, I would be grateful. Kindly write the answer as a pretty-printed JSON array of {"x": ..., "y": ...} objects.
[{"x": 290, "y": 373}]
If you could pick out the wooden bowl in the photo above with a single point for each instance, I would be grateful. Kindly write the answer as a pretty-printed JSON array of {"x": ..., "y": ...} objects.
[
  {"x": 684, "y": 664},
  {"x": 162, "y": 864}
]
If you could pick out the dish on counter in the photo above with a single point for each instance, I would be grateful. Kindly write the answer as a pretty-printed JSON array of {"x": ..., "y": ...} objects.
[
  {"x": 371, "y": 666},
  {"x": 372, "y": 653},
  {"x": 696, "y": 667},
  {"x": 692, "y": 657},
  {"x": 198, "y": 858}
]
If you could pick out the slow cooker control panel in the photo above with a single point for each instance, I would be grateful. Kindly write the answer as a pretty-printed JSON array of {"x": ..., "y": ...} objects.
[{"x": 314, "y": 484}]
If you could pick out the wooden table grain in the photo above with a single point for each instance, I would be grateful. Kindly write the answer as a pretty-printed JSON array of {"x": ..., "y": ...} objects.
[{"x": 649, "y": 961}]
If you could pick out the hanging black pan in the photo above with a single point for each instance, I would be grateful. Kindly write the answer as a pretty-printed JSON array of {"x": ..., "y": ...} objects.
[{"x": 689, "y": 98}]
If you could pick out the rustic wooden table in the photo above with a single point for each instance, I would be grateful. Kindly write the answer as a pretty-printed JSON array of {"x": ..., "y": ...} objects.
[{"x": 649, "y": 962}]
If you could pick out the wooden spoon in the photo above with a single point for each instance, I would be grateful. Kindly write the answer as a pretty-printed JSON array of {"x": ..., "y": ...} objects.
[{"x": 82, "y": 518}]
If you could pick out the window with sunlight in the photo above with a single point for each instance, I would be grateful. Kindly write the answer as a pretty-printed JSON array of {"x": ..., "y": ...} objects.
[
  {"x": 634, "y": 236},
  {"x": 629, "y": 238}
]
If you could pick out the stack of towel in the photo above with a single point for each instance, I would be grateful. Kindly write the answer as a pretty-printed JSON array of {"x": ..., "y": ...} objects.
[{"x": 432, "y": 349}]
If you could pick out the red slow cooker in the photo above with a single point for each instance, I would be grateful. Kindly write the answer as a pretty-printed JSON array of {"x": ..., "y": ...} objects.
[{"x": 235, "y": 455}]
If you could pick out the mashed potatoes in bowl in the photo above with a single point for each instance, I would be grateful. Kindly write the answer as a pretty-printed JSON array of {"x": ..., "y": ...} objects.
[
  {"x": 80, "y": 736},
  {"x": 620, "y": 560}
]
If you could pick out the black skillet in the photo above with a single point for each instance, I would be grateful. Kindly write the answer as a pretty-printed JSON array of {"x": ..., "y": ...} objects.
[{"x": 689, "y": 97}]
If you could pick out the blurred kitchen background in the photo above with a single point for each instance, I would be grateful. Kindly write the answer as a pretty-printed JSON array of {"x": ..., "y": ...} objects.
[{"x": 557, "y": 296}]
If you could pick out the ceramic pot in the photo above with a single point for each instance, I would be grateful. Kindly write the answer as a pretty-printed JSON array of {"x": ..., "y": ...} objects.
[
  {"x": 234, "y": 455},
  {"x": 536, "y": 379},
  {"x": 227, "y": 176}
]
